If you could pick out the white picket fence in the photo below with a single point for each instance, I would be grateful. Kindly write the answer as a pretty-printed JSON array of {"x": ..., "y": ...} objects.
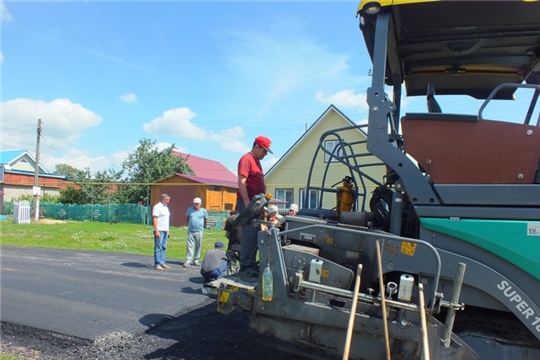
[{"x": 21, "y": 212}]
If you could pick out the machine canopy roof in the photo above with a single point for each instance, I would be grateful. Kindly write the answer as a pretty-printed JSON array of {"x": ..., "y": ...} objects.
[{"x": 463, "y": 47}]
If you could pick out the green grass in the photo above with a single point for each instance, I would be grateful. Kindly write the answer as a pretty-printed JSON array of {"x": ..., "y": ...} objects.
[
  {"x": 10, "y": 357},
  {"x": 99, "y": 236}
]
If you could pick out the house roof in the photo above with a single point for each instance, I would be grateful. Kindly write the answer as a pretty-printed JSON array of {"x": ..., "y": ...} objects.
[
  {"x": 40, "y": 174},
  {"x": 309, "y": 131},
  {"x": 210, "y": 181},
  {"x": 11, "y": 157},
  {"x": 8, "y": 157},
  {"x": 208, "y": 169}
]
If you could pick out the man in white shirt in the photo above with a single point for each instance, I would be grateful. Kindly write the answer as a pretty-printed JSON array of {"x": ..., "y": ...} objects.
[{"x": 160, "y": 220}]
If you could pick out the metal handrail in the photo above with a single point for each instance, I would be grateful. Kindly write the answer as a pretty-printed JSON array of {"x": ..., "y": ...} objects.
[{"x": 516, "y": 86}]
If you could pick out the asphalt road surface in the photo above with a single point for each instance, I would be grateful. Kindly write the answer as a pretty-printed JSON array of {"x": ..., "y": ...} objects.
[{"x": 89, "y": 294}]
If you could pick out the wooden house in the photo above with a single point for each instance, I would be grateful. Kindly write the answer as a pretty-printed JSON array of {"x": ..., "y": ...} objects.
[{"x": 213, "y": 183}]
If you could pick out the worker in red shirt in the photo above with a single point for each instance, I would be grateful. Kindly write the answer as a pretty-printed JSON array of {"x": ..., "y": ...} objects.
[{"x": 251, "y": 183}]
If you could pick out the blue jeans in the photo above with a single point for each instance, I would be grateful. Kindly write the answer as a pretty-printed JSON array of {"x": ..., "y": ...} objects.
[
  {"x": 160, "y": 246},
  {"x": 249, "y": 247},
  {"x": 216, "y": 273},
  {"x": 194, "y": 245}
]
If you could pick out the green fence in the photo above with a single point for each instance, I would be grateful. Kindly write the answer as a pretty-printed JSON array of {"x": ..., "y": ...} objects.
[
  {"x": 216, "y": 219},
  {"x": 129, "y": 213},
  {"x": 113, "y": 213},
  {"x": 8, "y": 208}
]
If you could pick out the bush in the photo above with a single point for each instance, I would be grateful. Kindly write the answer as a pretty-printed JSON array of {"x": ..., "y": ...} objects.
[{"x": 47, "y": 198}]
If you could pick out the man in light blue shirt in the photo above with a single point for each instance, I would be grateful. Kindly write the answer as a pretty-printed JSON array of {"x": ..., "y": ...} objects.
[{"x": 197, "y": 219}]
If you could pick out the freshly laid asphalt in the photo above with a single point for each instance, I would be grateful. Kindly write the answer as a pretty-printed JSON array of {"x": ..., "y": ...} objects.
[{"x": 90, "y": 294}]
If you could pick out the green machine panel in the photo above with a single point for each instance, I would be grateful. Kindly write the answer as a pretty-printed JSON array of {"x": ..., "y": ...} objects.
[{"x": 517, "y": 242}]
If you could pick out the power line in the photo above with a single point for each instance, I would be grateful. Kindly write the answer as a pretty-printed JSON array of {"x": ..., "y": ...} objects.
[{"x": 62, "y": 156}]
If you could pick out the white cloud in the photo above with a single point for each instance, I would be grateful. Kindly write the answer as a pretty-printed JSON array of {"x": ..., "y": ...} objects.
[
  {"x": 162, "y": 145},
  {"x": 268, "y": 162},
  {"x": 344, "y": 99},
  {"x": 363, "y": 121},
  {"x": 81, "y": 159},
  {"x": 63, "y": 122},
  {"x": 165, "y": 145},
  {"x": 229, "y": 139},
  {"x": 177, "y": 122},
  {"x": 1, "y": 58},
  {"x": 129, "y": 98},
  {"x": 6, "y": 16}
]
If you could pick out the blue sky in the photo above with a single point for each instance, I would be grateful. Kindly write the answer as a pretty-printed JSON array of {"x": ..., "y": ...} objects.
[{"x": 206, "y": 76}]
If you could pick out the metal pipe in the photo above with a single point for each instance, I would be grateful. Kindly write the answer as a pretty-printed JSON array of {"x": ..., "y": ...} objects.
[
  {"x": 423, "y": 323},
  {"x": 396, "y": 216},
  {"x": 451, "y": 315},
  {"x": 303, "y": 284},
  {"x": 383, "y": 302},
  {"x": 350, "y": 328},
  {"x": 391, "y": 289}
]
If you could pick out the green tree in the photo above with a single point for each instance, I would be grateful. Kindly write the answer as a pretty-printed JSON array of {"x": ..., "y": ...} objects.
[
  {"x": 146, "y": 165},
  {"x": 74, "y": 195},
  {"x": 99, "y": 188},
  {"x": 68, "y": 170}
]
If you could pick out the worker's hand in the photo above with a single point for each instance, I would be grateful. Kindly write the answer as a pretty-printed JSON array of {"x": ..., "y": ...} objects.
[
  {"x": 246, "y": 202},
  {"x": 157, "y": 234}
]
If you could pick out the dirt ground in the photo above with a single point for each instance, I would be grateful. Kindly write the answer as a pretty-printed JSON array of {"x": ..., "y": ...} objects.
[{"x": 49, "y": 221}]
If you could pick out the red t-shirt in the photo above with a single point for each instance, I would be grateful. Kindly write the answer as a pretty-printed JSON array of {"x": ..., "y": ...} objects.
[{"x": 251, "y": 168}]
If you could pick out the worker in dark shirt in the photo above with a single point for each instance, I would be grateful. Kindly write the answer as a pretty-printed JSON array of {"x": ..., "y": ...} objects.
[
  {"x": 234, "y": 234},
  {"x": 214, "y": 264}
]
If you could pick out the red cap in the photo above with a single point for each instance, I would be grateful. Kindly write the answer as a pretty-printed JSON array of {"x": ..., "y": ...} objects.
[{"x": 264, "y": 142}]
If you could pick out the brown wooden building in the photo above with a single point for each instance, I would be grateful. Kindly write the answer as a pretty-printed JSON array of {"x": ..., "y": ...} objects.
[
  {"x": 217, "y": 195},
  {"x": 212, "y": 182}
]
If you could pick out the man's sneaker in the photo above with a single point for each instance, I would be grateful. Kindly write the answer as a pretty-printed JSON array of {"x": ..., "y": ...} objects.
[
  {"x": 186, "y": 264},
  {"x": 165, "y": 266},
  {"x": 159, "y": 267},
  {"x": 196, "y": 263}
]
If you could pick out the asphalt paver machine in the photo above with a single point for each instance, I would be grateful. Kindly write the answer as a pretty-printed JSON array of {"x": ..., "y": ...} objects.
[{"x": 442, "y": 259}]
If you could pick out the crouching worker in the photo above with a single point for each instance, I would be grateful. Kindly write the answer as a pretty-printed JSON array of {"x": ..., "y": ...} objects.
[{"x": 214, "y": 264}]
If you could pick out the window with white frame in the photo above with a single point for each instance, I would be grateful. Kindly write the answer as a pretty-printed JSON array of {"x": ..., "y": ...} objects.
[
  {"x": 313, "y": 199},
  {"x": 285, "y": 195},
  {"x": 330, "y": 145}
]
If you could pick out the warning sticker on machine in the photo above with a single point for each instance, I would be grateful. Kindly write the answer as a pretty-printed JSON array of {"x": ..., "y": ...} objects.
[
  {"x": 533, "y": 229},
  {"x": 408, "y": 248}
]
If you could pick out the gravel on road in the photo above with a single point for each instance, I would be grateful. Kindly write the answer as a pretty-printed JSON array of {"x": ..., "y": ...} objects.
[{"x": 201, "y": 334}]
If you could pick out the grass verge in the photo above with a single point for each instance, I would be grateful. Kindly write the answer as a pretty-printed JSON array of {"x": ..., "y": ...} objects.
[{"x": 100, "y": 236}]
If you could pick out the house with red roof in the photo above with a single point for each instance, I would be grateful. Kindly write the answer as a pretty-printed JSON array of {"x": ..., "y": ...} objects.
[{"x": 212, "y": 182}]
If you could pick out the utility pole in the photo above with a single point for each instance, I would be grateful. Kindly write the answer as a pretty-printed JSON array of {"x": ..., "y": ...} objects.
[{"x": 36, "y": 189}]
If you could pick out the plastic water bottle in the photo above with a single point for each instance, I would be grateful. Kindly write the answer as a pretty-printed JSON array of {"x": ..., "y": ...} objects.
[{"x": 267, "y": 284}]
